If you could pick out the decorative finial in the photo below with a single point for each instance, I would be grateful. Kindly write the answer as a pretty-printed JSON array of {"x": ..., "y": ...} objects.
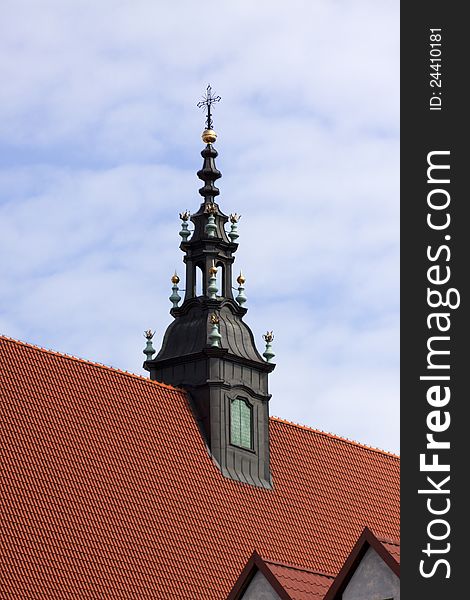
[
  {"x": 241, "y": 298},
  {"x": 209, "y": 136},
  {"x": 212, "y": 287},
  {"x": 233, "y": 234},
  {"x": 175, "y": 297},
  {"x": 185, "y": 233},
  {"x": 210, "y": 208},
  {"x": 268, "y": 354},
  {"x": 149, "y": 350},
  {"x": 214, "y": 335},
  {"x": 211, "y": 227},
  {"x": 209, "y": 172}
]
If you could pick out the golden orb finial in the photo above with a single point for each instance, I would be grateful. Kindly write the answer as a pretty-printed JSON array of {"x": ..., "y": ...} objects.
[
  {"x": 209, "y": 136},
  {"x": 175, "y": 279},
  {"x": 241, "y": 279}
]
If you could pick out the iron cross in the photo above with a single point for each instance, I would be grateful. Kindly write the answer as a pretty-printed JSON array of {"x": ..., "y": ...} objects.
[{"x": 208, "y": 101}]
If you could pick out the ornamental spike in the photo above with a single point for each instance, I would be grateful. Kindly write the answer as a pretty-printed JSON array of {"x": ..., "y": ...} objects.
[
  {"x": 233, "y": 234},
  {"x": 175, "y": 297},
  {"x": 214, "y": 335},
  {"x": 212, "y": 287},
  {"x": 241, "y": 298},
  {"x": 211, "y": 227},
  {"x": 185, "y": 233},
  {"x": 268, "y": 354},
  {"x": 208, "y": 100},
  {"x": 149, "y": 350}
]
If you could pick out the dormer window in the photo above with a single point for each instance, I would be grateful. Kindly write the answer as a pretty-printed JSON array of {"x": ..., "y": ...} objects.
[{"x": 241, "y": 423}]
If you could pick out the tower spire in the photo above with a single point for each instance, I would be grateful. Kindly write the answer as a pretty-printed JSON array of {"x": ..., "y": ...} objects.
[
  {"x": 209, "y": 173},
  {"x": 208, "y": 349}
]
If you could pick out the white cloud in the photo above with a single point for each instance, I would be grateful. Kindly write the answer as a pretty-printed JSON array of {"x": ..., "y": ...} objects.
[{"x": 100, "y": 138}]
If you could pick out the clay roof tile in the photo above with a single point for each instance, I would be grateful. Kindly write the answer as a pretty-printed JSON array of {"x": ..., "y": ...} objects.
[{"x": 109, "y": 490}]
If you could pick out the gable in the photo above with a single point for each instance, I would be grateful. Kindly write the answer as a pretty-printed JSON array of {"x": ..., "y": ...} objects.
[
  {"x": 373, "y": 579},
  {"x": 109, "y": 483},
  {"x": 260, "y": 589},
  {"x": 371, "y": 571},
  {"x": 268, "y": 580}
]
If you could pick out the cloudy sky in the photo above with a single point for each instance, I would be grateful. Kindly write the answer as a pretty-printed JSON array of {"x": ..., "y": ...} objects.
[{"x": 99, "y": 146}]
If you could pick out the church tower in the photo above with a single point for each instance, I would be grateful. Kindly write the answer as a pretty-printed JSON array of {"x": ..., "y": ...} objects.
[{"x": 208, "y": 349}]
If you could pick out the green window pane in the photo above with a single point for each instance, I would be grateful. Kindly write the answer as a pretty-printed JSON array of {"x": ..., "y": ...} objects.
[
  {"x": 235, "y": 423},
  {"x": 240, "y": 423},
  {"x": 245, "y": 425}
]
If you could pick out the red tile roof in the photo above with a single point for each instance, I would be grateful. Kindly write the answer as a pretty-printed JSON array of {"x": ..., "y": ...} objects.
[
  {"x": 393, "y": 548},
  {"x": 109, "y": 491},
  {"x": 300, "y": 584},
  {"x": 288, "y": 581}
]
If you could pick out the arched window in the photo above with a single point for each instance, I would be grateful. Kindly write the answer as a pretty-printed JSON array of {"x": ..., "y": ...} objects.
[
  {"x": 220, "y": 280},
  {"x": 198, "y": 282},
  {"x": 241, "y": 423}
]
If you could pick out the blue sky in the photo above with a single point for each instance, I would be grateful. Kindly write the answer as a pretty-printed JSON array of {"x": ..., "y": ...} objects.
[{"x": 99, "y": 146}]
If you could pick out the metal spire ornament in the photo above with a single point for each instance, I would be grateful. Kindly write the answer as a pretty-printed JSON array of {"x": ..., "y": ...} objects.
[
  {"x": 241, "y": 298},
  {"x": 268, "y": 354},
  {"x": 214, "y": 335},
  {"x": 211, "y": 227},
  {"x": 212, "y": 287},
  {"x": 233, "y": 234},
  {"x": 185, "y": 233},
  {"x": 209, "y": 173},
  {"x": 209, "y": 135},
  {"x": 149, "y": 350},
  {"x": 175, "y": 297}
]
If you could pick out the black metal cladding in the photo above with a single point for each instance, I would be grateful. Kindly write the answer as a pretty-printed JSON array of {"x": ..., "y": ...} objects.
[
  {"x": 209, "y": 173},
  {"x": 214, "y": 376}
]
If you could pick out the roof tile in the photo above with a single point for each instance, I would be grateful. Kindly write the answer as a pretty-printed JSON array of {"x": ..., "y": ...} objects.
[
  {"x": 109, "y": 490},
  {"x": 300, "y": 584}
]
